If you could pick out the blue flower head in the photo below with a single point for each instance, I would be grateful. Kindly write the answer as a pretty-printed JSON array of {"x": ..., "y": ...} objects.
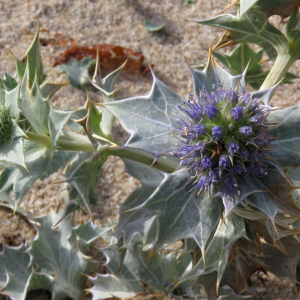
[{"x": 227, "y": 136}]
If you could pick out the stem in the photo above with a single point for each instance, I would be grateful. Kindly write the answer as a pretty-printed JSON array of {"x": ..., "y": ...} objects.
[
  {"x": 162, "y": 163},
  {"x": 279, "y": 69},
  {"x": 71, "y": 141},
  {"x": 39, "y": 139}
]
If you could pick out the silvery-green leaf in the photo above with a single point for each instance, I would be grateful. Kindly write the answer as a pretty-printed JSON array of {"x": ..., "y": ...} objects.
[
  {"x": 252, "y": 27},
  {"x": 106, "y": 286},
  {"x": 14, "y": 271},
  {"x": 55, "y": 252},
  {"x": 287, "y": 152},
  {"x": 11, "y": 101},
  {"x": 9, "y": 83},
  {"x": 239, "y": 58},
  {"x": 13, "y": 153},
  {"x": 150, "y": 26},
  {"x": 34, "y": 106},
  {"x": 232, "y": 200},
  {"x": 216, "y": 254},
  {"x": 84, "y": 180},
  {"x": 245, "y": 5},
  {"x": 60, "y": 159},
  {"x": 37, "y": 161},
  {"x": 77, "y": 71},
  {"x": 149, "y": 119},
  {"x": 40, "y": 281},
  {"x": 56, "y": 123},
  {"x": 106, "y": 87},
  {"x": 293, "y": 35},
  {"x": 32, "y": 61},
  {"x": 131, "y": 223},
  {"x": 283, "y": 8},
  {"x": 49, "y": 89},
  {"x": 182, "y": 213},
  {"x": 213, "y": 74},
  {"x": 278, "y": 188},
  {"x": 87, "y": 233}
]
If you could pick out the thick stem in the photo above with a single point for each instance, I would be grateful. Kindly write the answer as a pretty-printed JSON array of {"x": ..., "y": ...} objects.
[
  {"x": 70, "y": 141},
  {"x": 162, "y": 163},
  {"x": 281, "y": 66}
]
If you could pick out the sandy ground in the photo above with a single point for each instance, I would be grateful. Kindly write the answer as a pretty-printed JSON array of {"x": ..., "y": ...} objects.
[{"x": 117, "y": 22}]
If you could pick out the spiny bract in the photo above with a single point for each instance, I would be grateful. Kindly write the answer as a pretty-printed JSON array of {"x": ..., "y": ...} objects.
[{"x": 227, "y": 135}]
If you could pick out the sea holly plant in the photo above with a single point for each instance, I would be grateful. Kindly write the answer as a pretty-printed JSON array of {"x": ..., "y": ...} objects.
[{"x": 219, "y": 174}]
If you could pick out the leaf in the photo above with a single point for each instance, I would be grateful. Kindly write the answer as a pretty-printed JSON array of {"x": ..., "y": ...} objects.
[
  {"x": 34, "y": 106},
  {"x": 245, "y": 5},
  {"x": 213, "y": 74},
  {"x": 14, "y": 271},
  {"x": 292, "y": 34},
  {"x": 217, "y": 252},
  {"x": 280, "y": 264},
  {"x": 149, "y": 119},
  {"x": 239, "y": 270},
  {"x": 253, "y": 27},
  {"x": 287, "y": 134},
  {"x": 13, "y": 153},
  {"x": 49, "y": 89},
  {"x": 108, "y": 285},
  {"x": 150, "y": 26},
  {"x": 239, "y": 58},
  {"x": 56, "y": 123},
  {"x": 158, "y": 273},
  {"x": 181, "y": 213},
  {"x": 37, "y": 161},
  {"x": 277, "y": 184},
  {"x": 33, "y": 62},
  {"x": 9, "y": 83},
  {"x": 77, "y": 71},
  {"x": 131, "y": 228},
  {"x": 67, "y": 264},
  {"x": 283, "y": 8},
  {"x": 88, "y": 233},
  {"x": 84, "y": 180},
  {"x": 106, "y": 87}
]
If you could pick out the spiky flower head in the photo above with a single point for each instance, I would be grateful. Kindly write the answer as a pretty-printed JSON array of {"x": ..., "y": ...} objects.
[
  {"x": 5, "y": 124},
  {"x": 226, "y": 136}
]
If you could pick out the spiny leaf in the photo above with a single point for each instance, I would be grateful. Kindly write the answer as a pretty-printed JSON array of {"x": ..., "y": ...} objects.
[
  {"x": 33, "y": 105},
  {"x": 8, "y": 82},
  {"x": 106, "y": 87},
  {"x": 84, "y": 180},
  {"x": 37, "y": 161},
  {"x": 49, "y": 89},
  {"x": 182, "y": 213},
  {"x": 32, "y": 61},
  {"x": 287, "y": 134},
  {"x": 13, "y": 153},
  {"x": 217, "y": 252},
  {"x": 158, "y": 273},
  {"x": 131, "y": 228},
  {"x": 239, "y": 58},
  {"x": 14, "y": 271},
  {"x": 149, "y": 119},
  {"x": 212, "y": 75},
  {"x": 252, "y": 27},
  {"x": 283, "y": 8},
  {"x": 77, "y": 71},
  {"x": 67, "y": 264},
  {"x": 56, "y": 123}
]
